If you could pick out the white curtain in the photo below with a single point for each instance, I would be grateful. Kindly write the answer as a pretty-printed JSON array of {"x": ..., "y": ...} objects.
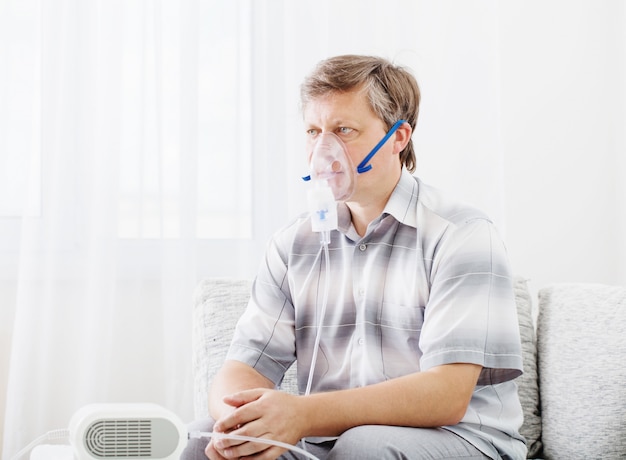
[
  {"x": 127, "y": 126},
  {"x": 147, "y": 144}
]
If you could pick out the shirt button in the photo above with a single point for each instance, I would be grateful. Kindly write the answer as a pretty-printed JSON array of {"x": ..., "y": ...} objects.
[
  {"x": 362, "y": 246},
  {"x": 360, "y": 341}
]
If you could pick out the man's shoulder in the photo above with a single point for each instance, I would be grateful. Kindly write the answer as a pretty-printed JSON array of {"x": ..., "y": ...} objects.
[{"x": 435, "y": 205}]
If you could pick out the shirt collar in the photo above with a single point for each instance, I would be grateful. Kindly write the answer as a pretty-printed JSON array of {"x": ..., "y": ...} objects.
[{"x": 401, "y": 204}]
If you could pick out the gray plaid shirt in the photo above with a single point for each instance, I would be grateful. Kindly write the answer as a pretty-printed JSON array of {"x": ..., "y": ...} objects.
[{"x": 429, "y": 284}]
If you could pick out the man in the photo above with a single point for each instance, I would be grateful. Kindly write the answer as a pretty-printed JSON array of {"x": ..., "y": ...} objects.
[{"x": 419, "y": 344}]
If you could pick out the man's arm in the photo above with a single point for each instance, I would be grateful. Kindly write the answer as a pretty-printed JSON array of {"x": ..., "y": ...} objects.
[
  {"x": 437, "y": 397},
  {"x": 433, "y": 398}
]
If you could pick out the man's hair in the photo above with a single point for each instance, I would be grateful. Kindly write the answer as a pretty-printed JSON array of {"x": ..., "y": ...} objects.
[{"x": 392, "y": 91}]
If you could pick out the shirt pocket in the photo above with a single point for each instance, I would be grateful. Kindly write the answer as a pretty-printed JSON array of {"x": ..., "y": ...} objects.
[{"x": 400, "y": 329}]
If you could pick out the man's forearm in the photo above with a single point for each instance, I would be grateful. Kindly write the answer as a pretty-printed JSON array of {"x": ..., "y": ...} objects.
[{"x": 426, "y": 399}]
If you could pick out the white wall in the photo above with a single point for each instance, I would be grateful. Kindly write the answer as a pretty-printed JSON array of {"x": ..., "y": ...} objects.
[{"x": 564, "y": 138}]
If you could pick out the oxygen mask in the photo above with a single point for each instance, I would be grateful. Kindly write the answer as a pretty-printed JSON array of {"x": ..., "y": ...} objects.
[
  {"x": 334, "y": 178},
  {"x": 330, "y": 162}
]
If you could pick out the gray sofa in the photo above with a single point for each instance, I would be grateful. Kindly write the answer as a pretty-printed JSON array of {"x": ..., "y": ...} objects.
[{"x": 573, "y": 390}]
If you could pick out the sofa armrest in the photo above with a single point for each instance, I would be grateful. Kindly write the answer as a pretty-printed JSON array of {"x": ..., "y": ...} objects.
[
  {"x": 581, "y": 350},
  {"x": 218, "y": 304}
]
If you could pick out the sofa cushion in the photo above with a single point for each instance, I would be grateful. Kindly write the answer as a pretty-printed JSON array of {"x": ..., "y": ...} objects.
[
  {"x": 582, "y": 346},
  {"x": 527, "y": 383}
]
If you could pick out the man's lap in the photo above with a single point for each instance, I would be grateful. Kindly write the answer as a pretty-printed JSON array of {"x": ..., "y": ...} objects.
[{"x": 370, "y": 441}]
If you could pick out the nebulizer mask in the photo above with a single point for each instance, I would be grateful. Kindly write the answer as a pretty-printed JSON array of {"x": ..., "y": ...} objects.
[
  {"x": 334, "y": 178},
  {"x": 330, "y": 163}
]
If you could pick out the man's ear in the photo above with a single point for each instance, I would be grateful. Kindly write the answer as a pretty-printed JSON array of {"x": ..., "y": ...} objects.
[{"x": 402, "y": 137}]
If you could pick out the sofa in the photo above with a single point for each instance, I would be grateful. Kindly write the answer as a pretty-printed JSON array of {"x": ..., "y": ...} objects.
[{"x": 573, "y": 390}]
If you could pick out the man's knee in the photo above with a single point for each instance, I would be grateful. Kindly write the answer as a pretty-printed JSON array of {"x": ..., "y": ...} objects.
[
  {"x": 358, "y": 443},
  {"x": 195, "y": 447}
]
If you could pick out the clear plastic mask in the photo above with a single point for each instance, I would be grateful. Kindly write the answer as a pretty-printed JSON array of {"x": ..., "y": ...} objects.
[{"x": 330, "y": 162}]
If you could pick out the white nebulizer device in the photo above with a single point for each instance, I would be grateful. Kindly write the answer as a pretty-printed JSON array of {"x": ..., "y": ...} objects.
[
  {"x": 333, "y": 179},
  {"x": 323, "y": 209}
]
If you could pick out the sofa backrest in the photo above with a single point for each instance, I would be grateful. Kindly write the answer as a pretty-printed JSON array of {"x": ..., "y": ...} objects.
[
  {"x": 218, "y": 304},
  {"x": 573, "y": 390}
]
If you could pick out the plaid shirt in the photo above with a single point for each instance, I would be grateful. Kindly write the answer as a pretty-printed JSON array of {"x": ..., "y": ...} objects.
[{"x": 429, "y": 284}]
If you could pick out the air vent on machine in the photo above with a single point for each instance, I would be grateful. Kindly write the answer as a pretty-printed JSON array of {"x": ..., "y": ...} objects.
[
  {"x": 120, "y": 438},
  {"x": 126, "y": 431}
]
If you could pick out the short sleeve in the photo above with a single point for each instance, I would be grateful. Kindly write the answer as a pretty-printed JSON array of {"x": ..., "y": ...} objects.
[
  {"x": 471, "y": 316},
  {"x": 264, "y": 337}
]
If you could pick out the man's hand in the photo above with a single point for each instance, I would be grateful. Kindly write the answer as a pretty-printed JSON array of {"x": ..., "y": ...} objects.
[{"x": 258, "y": 413}]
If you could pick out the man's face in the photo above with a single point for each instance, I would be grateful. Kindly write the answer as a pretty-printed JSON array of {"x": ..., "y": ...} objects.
[{"x": 349, "y": 116}]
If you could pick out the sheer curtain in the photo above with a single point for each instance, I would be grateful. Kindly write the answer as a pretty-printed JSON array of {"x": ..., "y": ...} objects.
[
  {"x": 132, "y": 138},
  {"x": 147, "y": 144},
  {"x": 163, "y": 145}
]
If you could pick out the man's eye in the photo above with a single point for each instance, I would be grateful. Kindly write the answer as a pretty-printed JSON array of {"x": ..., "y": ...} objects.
[
  {"x": 311, "y": 132},
  {"x": 344, "y": 130}
]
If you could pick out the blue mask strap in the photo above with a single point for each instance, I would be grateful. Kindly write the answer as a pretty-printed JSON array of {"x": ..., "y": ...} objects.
[{"x": 363, "y": 166}]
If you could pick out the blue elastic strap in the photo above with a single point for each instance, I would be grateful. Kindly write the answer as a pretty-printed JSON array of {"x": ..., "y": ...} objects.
[{"x": 363, "y": 166}]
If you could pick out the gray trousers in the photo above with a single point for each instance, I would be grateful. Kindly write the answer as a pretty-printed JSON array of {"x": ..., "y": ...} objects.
[{"x": 376, "y": 442}]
